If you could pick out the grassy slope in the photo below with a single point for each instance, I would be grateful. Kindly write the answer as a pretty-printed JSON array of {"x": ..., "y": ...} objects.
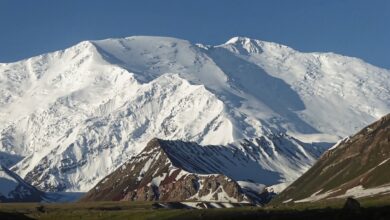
[{"x": 355, "y": 162}]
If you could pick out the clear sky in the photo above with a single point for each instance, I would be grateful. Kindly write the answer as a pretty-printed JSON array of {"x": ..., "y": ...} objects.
[{"x": 359, "y": 28}]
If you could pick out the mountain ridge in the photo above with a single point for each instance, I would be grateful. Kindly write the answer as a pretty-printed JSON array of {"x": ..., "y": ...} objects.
[
  {"x": 106, "y": 99},
  {"x": 355, "y": 167}
]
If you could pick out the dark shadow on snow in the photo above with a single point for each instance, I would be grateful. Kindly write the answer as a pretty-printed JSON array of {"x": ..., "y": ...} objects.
[{"x": 253, "y": 80}]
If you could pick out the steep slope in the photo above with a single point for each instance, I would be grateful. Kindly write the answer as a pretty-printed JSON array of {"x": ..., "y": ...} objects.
[
  {"x": 339, "y": 95},
  {"x": 69, "y": 118},
  {"x": 179, "y": 171},
  {"x": 167, "y": 107},
  {"x": 266, "y": 82},
  {"x": 357, "y": 166},
  {"x": 15, "y": 189}
]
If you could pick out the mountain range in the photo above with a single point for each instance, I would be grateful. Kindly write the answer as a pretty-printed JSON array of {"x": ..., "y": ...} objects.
[{"x": 70, "y": 118}]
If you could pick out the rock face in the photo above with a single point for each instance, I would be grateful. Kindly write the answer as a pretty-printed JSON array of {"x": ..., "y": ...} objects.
[
  {"x": 14, "y": 189},
  {"x": 357, "y": 166},
  {"x": 216, "y": 187},
  {"x": 186, "y": 171}
]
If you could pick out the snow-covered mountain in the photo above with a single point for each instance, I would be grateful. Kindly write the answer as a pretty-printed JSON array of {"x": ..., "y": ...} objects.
[
  {"x": 76, "y": 115},
  {"x": 15, "y": 189}
]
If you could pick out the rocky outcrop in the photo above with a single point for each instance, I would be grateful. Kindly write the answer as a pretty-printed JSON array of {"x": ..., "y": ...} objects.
[
  {"x": 191, "y": 187},
  {"x": 159, "y": 173},
  {"x": 357, "y": 166}
]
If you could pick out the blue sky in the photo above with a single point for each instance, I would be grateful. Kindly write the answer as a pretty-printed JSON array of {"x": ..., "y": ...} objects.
[{"x": 350, "y": 27}]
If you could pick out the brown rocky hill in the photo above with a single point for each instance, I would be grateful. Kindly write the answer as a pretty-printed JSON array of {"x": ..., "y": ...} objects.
[
  {"x": 358, "y": 166},
  {"x": 182, "y": 171}
]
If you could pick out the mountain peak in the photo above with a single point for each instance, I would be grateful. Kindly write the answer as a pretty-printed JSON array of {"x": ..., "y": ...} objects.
[
  {"x": 239, "y": 39},
  {"x": 245, "y": 45}
]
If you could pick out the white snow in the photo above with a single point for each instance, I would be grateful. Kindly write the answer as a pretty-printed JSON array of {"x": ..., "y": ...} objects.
[
  {"x": 360, "y": 191},
  {"x": 383, "y": 162},
  {"x": 278, "y": 188},
  {"x": 357, "y": 192},
  {"x": 221, "y": 197},
  {"x": 256, "y": 187},
  {"x": 157, "y": 180},
  {"x": 180, "y": 174},
  {"x": 79, "y": 113},
  {"x": 316, "y": 196},
  {"x": 196, "y": 205},
  {"x": 339, "y": 143}
]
